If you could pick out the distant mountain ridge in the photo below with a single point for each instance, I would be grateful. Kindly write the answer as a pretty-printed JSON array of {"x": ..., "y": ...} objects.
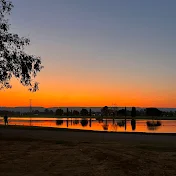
[{"x": 95, "y": 109}]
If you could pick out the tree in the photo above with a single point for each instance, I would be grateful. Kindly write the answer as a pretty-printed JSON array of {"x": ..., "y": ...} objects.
[
  {"x": 121, "y": 112},
  {"x": 105, "y": 111},
  {"x": 14, "y": 62},
  {"x": 153, "y": 112},
  {"x": 133, "y": 112},
  {"x": 46, "y": 111},
  {"x": 84, "y": 112},
  {"x": 59, "y": 112},
  {"x": 75, "y": 113}
]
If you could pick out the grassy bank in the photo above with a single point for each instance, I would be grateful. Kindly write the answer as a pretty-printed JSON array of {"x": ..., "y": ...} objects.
[{"x": 75, "y": 158}]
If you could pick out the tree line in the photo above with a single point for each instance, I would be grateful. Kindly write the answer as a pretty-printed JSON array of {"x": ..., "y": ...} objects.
[{"x": 104, "y": 112}]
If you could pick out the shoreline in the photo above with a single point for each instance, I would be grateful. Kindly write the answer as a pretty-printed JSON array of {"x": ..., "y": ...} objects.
[{"x": 39, "y": 128}]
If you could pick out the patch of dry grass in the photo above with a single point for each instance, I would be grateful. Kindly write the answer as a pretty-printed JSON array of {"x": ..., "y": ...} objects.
[{"x": 25, "y": 157}]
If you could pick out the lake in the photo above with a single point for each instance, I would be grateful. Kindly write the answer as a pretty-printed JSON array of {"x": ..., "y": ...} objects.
[{"x": 167, "y": 126}]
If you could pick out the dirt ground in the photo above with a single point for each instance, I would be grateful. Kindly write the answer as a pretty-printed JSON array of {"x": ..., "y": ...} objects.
[{"x": 35, "y": 157}]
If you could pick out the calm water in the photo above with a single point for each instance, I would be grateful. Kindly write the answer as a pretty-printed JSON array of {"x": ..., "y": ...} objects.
[{"x": 167, "y": 126}]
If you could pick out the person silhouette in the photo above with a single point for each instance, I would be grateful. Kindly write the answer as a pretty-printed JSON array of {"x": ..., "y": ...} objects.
[{"x": 6, "y": 120}]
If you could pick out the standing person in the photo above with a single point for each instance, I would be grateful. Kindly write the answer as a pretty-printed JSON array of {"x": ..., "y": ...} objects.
[{"x": 6, "y": 120}]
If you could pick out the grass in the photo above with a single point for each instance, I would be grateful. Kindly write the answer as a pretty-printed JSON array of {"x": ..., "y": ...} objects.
[{"x": 26, "y": 157}]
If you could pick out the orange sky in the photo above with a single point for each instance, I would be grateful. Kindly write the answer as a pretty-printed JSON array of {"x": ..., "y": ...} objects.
[{"x": 69, "y": 94}]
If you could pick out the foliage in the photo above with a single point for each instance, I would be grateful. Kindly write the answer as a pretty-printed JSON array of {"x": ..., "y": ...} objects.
[
  {"x": 14, "y": 62},
  {"x": 59, "y": 112},
  {"x": 121, "y": 112},
  {"x": 153, "y": 112},
  {"x": 105, "y": 111},
  {"x": 75, "y": 113},
  {"x": 84, "y": 112}
]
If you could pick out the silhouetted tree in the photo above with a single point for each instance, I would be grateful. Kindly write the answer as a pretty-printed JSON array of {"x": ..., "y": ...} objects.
[
  {"x": 133, "y": 112},
  {"x": 105, "y": 111},
  {"x": 153, "y": 112},
  {"x": 46, "y": 111},
  {"x": 14, "y": 62},
  {"x": 51, "y": 112},
  {"x": 59, "y": 112},
  {"x": 84, "y": 112},
  {"x": 121, "y": 112},
  {"x": 84, "y": 122},
  {"x": 75, "y": 113}
]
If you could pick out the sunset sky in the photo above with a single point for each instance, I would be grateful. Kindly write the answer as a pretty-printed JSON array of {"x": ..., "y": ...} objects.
[{"x": 98, "y": 52}]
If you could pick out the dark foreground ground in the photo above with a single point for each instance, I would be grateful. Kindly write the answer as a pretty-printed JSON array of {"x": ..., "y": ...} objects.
[{"x": 73, "y": 153}]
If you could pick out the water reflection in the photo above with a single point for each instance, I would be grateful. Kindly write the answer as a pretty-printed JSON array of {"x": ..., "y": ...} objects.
[
  {"x": 153, "y": 123},
  {"x": 114, "y": 127},
  {"x": 133, "y": 124},
  {"x": 121, "y": 123},
  {"x": 168, "y": 126},
  {"x": 84, "y": 122},
  {"x": 59, "y": 122},
  {"x": 105, "y": 126},
  {"x": 152, "y": 128},
  {"x": 75, "y": 122},
  {"x": 90, "y": 122},
  {"x": 67, "y": 122}
]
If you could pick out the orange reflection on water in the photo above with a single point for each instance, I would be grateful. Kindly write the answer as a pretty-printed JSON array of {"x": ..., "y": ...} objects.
[{"x": 168, "y": 126}]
